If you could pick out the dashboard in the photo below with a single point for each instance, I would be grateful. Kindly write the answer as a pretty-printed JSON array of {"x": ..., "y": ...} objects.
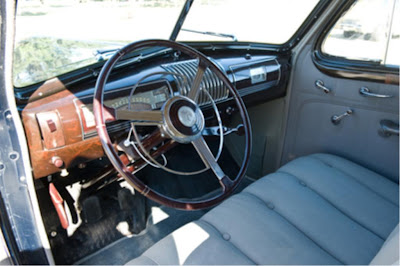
[
  {"x": 59, "y": 121},
  {"x": 153, "y": 99},
  {"x": 151, "y": 96}
]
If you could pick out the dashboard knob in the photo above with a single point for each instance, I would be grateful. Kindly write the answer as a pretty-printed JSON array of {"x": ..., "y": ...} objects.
[
  {"x": 57, "y": 161},
  {"x": 229, "y": 110}
]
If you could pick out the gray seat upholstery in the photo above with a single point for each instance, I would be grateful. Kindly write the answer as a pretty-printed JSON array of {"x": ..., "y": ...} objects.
[
  {"x": 318, "y": 209},
  {"x": 389, "y": 253}
]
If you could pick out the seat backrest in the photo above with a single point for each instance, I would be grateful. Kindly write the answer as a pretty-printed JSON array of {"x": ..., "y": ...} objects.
[{"x": 389, "y": 252}]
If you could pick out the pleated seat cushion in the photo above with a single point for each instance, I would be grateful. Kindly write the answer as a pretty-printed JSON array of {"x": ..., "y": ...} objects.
[{"x": 318, "y": 209}]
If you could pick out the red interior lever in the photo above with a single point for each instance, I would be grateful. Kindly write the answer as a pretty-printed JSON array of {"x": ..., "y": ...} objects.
[{"x": 58, "y": 202}]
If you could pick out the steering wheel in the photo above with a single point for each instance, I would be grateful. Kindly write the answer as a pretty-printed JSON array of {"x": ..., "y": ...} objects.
[{"x": 180, "y": 120}]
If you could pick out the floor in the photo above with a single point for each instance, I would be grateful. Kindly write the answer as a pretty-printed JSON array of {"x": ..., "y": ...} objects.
[
  {"x": 107, "y": 233},
  {"x": 162, "y": 222}
]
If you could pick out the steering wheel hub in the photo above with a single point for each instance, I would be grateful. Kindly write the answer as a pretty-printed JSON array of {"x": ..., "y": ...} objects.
[
  {"x": 183, "y": 119},
  {"x": 187, "y": 116}
]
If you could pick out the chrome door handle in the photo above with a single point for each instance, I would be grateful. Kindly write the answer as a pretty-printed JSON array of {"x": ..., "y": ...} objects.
[
  {"x": 364, "y": 91},
  {"x": 389, "y": 128},
  {"x": 320, "y": 85}
]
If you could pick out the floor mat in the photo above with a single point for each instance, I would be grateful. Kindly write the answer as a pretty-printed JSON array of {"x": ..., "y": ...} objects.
[
  {"x": 131, "y": 247},
  {"x": 128, "y": 248},
  {"x": 89, "y": 237},
  {"x": 95, "y": 235}
]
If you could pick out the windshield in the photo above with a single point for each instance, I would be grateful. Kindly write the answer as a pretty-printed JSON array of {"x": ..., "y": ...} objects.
[
  {"x": 57, "y": 36},
  {"x": 54, "y": 37},
  {"x": 262, "y": 21}
]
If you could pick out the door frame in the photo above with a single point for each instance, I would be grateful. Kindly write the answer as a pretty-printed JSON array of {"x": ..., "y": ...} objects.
[{"x": 20, "y": 218}]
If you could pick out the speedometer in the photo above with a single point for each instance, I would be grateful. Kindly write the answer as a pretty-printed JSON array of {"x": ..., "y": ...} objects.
[
  {"x": 154, "y": 99},
  {"x": 150, "y": 96}
]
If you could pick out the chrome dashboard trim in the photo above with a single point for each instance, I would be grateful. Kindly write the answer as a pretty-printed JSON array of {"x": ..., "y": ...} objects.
[{"x": 93, "y": 132}]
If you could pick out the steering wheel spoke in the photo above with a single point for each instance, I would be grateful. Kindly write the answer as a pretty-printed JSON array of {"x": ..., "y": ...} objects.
[
  {"x": 140, "y": 117},
  {"x": 209, "y": 160},
  {"x": 195, "y": 89}
]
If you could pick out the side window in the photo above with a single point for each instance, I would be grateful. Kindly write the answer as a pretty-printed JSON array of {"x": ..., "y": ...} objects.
[
  {"x": 393, "y": 52},
  {"x": 368, "y": 31}
]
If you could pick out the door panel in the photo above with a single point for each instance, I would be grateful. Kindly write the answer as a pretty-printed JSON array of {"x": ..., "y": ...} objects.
[{"x": 357, "y": 137}]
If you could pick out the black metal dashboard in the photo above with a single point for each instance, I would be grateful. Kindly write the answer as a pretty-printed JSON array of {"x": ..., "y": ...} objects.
[{"x": 61, "y": 122}]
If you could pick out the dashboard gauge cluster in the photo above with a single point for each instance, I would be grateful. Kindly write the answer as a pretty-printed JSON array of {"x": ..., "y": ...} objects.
[
  {"x": 150, "y": 96},
  {"x": 153, "y": 99}
]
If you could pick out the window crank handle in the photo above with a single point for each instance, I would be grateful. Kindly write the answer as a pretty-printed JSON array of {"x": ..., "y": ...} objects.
[
  {"x": 337, "y": 118},
  {"x": 320, "y": 85}
]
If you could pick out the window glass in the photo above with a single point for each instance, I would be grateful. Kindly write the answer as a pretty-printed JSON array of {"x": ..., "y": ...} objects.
[
  {"x": 57, "y": 36},
  {"x": 393, "y": 52},
  {"x": 263, "y": 21},
  {"x": 362, "y": 33}
]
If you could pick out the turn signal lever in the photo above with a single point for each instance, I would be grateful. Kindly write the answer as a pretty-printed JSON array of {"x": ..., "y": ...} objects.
[{"x": 214, "y": 131}]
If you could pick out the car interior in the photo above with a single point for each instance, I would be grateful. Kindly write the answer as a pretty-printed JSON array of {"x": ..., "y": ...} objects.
[{"x": 207, "y": 148}]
